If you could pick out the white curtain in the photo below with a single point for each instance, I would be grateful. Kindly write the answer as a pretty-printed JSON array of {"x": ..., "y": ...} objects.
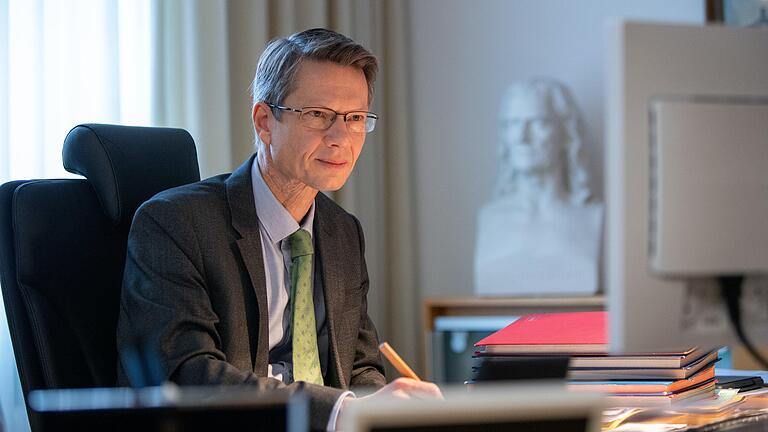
[
  {"x": 190, "y": 76},
  {"x": 63, "y": 63},
  {"x": 189, "y": 64}
]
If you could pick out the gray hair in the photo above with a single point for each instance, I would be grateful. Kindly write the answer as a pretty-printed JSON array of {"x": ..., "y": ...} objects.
[
  {"x": 559, "y": 98},
  {"x": 276, "y": 72}
]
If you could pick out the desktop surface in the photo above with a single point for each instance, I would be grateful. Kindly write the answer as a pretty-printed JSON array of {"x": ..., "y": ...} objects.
[
  {"x": 168, "y": 408},
  {"x": 749, "y": 414},
  {"x": 488, "y": 407},
  {"x": 541, "y": 425}
]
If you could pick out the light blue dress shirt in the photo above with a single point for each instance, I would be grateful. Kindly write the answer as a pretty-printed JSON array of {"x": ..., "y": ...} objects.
[{"x": 275, "y": 225}]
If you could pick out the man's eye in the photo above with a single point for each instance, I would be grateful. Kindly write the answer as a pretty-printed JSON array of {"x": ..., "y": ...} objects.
[
  {"x": 356, "y": 117},
  {"x": 316, "y": 114}
]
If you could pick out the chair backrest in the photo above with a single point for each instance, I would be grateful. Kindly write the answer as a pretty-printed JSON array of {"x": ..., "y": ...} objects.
[{"x": 62, "y": 249}]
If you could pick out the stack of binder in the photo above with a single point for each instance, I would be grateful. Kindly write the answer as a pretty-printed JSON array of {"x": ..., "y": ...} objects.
[{"x": 636, "y": 379}]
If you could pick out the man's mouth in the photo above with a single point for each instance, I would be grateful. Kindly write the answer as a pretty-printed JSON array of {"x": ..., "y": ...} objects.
[{"x": 333, "y": 163}]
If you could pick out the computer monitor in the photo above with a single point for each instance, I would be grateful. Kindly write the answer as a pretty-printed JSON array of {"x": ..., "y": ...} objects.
[
  {"x": 686, "y": 182},
  {"x": 169, "y": 408},
  {"x": 533, "y": 406}
]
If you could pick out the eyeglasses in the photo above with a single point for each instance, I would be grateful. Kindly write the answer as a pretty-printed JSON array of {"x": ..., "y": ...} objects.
[{"x": 322, "y": 118}]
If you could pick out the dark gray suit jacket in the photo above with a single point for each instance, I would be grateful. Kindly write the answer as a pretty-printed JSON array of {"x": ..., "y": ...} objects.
[{"x": 194, "y": 284}]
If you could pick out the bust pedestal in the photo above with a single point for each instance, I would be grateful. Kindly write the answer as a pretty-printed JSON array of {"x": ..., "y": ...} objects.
[{"x": 547, "y": 252}]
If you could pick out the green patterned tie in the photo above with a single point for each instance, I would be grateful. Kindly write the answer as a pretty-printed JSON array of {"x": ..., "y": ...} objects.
[{"x": 306, "y": 360}]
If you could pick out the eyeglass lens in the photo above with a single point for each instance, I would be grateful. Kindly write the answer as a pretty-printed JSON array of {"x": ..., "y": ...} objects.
[{"x": 357, "y": 121}]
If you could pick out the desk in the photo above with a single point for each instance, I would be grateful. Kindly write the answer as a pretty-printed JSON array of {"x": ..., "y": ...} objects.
[
  {"x": 751, "y": 414},
  {"x": 499, "y": 306}
]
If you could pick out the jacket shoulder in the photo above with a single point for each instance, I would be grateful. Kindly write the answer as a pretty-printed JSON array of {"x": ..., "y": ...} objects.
[
  {"x": 329, "y": 209},
  {"x": 193, "y": 198}
]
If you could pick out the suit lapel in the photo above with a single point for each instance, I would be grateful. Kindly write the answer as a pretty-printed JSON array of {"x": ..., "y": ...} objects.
[
  {"x": 328, "y": 246},
  {"x": 245, "y": 222}
]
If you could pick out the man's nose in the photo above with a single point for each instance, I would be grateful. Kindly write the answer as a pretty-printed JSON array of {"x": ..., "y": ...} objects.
[{"x": 337, "y": 134}]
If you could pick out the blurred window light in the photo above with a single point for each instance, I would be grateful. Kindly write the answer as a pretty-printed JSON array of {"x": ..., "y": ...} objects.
[
  {"x": 69, "y": 62},
  {"x": 63, "y": 63}
]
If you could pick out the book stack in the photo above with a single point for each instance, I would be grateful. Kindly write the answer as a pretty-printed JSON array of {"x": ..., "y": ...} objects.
[{"x": 636, "y": 379}]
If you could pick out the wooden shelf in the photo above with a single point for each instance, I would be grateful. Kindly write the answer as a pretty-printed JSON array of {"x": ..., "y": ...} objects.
[{"x": 472, "y": 306}]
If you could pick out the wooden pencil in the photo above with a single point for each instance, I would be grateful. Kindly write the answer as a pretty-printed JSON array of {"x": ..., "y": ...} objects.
[{"x": 397, "y": 361}]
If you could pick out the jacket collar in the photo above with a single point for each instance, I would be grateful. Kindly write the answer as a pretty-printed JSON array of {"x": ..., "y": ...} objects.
[
  {"x": 245, "y": 222},
  {"x": 330, "y": 247},
  {"x": 240, "y": 197}
]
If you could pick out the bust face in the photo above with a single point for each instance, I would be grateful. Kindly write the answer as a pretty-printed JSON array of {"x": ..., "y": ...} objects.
[{"x": 531, "y": 133}]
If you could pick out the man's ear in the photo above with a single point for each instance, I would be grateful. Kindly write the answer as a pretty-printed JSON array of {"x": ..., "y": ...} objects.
[{"x": 263, "y": 121}]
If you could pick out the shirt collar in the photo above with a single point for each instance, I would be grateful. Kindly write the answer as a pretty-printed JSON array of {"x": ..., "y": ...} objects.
[{"x": 275, "y": 218}]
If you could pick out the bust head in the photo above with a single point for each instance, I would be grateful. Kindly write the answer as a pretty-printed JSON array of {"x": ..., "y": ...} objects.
[{"x": 540, "y": 142}]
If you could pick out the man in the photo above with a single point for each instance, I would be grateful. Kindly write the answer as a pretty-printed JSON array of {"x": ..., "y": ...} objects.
[{"x": 253, "y": 277}]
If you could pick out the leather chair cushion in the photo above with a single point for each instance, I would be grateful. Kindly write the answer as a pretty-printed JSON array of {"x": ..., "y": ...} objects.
[
  {"x": 127, "y": 165},
  {"x": 67, "y": 271}
]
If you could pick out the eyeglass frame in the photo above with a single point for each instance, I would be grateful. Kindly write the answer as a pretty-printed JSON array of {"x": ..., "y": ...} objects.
[{"x": 368, "y": 114}]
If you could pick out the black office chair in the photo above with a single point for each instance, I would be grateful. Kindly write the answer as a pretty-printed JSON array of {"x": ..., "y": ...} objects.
[{"x": 62, "y": 249}]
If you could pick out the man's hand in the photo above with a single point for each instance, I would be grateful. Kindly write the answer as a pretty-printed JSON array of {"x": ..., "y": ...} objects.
[
  {"x": 406, "y": 388},
  {"x": 401, "y": 388}
]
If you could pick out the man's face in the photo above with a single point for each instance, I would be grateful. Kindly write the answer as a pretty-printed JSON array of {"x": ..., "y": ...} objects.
[
  {"x": 532, "y": 134},
  {"x": 320, "y": 159}
]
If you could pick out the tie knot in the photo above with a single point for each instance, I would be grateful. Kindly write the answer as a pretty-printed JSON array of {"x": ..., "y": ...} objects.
[{"x": 301, "y": 244}]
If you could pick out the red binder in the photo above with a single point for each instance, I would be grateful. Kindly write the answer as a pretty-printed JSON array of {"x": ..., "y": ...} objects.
[{"x": 568, "y": 332}]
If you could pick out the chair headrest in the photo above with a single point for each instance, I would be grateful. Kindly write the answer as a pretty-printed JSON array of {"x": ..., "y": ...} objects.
[{"x": 127, "y": 165}]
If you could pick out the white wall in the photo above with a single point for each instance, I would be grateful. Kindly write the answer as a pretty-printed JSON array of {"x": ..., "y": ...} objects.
[{"x": 464, "y": 54}]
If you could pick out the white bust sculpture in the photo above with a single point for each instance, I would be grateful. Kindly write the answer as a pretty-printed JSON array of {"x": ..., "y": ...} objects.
[{"x": 540, "y": 233}]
